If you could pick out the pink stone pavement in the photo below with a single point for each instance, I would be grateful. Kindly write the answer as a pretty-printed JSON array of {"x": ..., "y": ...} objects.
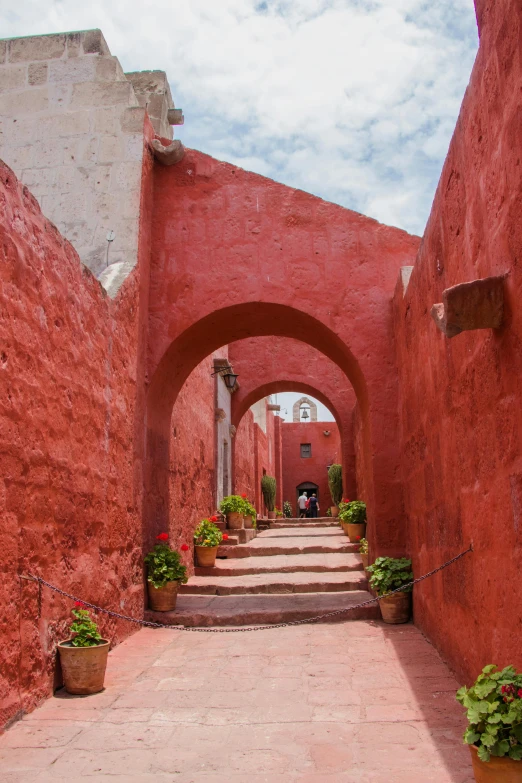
[{"x": 357, "y": 702}]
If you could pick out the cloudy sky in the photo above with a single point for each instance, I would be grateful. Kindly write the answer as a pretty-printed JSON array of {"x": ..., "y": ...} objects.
[{"x": 352, "y": 100}]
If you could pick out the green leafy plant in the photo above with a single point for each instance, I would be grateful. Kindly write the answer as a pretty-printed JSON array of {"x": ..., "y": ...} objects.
[
  {"x": 268, "y": 488},
  {"x": 164, "y": 564},
  {"x": 328, "y": 512},
  {"x": 85, "y": 630},
  {"x": 390, "y": 573},
  {"x": 207, "y": 533},
  {"x": 353, "y": 512},
  {"x": 335, "y": 483},
  {"x": 249, "y": 510},
  {"x": 494, "y": 713},
  {"x": 287, "y": 509},
  {"x": 363, "y": 546},
  {"x": 278, "y": 512},
  {"x": 232, "y": 504}
]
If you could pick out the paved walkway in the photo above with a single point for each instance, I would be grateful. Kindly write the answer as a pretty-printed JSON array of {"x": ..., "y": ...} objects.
[{"x": 357, "y": 702}]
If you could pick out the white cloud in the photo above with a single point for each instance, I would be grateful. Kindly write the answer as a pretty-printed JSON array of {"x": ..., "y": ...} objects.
[{"x": 353, "y": 100}]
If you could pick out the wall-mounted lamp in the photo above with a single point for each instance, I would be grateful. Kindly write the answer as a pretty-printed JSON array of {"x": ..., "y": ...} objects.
[
  {"x": 326, "y": 432},
  {"x": 228, "y": 376}
]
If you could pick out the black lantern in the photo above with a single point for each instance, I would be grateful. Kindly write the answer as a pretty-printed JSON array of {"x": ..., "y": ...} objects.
[{"x": 230, "y": 378}]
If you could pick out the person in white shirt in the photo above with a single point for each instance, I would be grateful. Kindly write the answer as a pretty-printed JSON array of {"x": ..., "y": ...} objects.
[{"x": 301, "y": 502}]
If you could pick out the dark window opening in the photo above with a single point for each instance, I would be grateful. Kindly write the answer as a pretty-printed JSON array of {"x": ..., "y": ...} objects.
[{"x": 306, "y": 450}]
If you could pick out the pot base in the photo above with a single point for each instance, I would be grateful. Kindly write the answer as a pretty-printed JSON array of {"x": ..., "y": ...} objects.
[{"x": 497, "y": 770}]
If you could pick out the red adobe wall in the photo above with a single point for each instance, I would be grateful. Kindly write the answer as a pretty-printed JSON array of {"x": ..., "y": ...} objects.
[
  {"x": 70, "y": 471},
  {"x": 245, "y": 458},
  {"x": 326, "y": 450},
  {"x": 461, "y": 399}
]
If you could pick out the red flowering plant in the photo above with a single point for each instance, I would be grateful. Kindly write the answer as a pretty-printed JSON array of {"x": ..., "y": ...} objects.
[
  {"x": 164, "y": 564},
  {"x": 494, "y": 713},
  {"x": 85, "y": 630},
  {"x": 207, "y": 533}
]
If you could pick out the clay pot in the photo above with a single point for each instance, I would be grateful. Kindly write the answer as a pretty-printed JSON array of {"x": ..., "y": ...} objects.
[
  {"x": 271, "y": 515},
  {"x": 248, "y": 523},
  {"x": 344, "y": 526},
  {"x": 235, "y": 520},
  {"x": 396, "y": 608},
  {"x": 354, "y": 531},
  {"x": 334, "y": 510},
  {"x": 497, "y": 770},
  {"x": 364, "y": 558},
  {"x": 163, "y": 599},
  {"x": 206, "y": 556},
  {"x": 83, "y": 668}
]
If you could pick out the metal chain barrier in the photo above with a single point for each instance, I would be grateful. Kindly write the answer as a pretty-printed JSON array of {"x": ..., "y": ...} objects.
[{"x": 317, "y": 618}]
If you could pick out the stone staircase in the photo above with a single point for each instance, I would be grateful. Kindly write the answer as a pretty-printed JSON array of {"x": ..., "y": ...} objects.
[{"x": 294, "y": 570}]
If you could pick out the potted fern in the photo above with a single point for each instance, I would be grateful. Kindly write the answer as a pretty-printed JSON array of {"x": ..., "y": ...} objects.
[
  {"x": 207, "y": 538},
  {"x": 390, "y": 574},
  {"x": 268, "y": 488},
  {"x": 353, "y": 518},
  {"x": 165, "y": 573},
  {"x": 233, "y": 506},
  {"x": 84, "y": 655},
  {"x": 335, "y": 483},
  {"x": 494, "y": 732}
]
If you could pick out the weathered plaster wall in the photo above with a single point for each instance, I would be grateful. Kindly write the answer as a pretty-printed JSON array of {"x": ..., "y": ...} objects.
[
  {"x": 245, "y": 458},
  {"x": 70, "y": 487},
  {"x": 461, "y": 399},
  {"x": 325, "y": 451}
]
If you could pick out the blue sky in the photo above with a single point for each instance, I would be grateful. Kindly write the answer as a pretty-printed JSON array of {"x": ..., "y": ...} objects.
[{"x": 352, "y": 100}]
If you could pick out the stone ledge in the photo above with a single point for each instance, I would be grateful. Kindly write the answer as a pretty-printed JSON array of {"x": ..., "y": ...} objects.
[{"x": 478, "y": 304}]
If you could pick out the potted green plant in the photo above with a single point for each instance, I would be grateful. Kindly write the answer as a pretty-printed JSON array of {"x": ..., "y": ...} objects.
[
  {"x": 207, "y": 538},
  {"x": 287, "y": 509},
  {"x": 278, "y": 512},
  {"x": 233, "y": 506},
  {"x": 363, "y": 551},
  {"x": 387, "y": 574},
  {"x": 353, "y": 518},
  {"x": 494, "y": 732},
  {"x": 84, "y": 655},
  {"x": 249, "y": 516},
  {"x": 268, "y": 488},
  {"x": 335, "y": 483},
  {"x": 165, "y": 573}
]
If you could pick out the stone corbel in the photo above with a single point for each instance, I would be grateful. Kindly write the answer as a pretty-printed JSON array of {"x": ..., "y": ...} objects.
[
  {"x": 478, "y": 304},
  {"x": 232, "y": 430},
  {"x": 170, "y": 155},
  {"x": 220, "y": 414},
  {"x": 175, "y": 117},
  {"x": 272, "y": 407}
]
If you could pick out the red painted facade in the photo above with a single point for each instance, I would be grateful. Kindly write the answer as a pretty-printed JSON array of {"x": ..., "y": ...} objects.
[{"x": 325, "y": 450}]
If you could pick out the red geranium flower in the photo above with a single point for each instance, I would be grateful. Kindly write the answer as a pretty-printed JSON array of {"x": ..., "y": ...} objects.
[
  {"x": 225, "y": 537},
  {"x": 213, "y": 519},
  {"x": 346, "y": 500},
  {"x": 243, "y": 495},
  {"x": 357, "y": 538},
  {"x": 79, "y": 604},
  {"x": 184, "y": 548},
  {"x": 163, "y": 537},
  {"x": 520, "y": 693}
]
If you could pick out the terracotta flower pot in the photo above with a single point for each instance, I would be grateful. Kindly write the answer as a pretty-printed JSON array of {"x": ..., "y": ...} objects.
[
  {"x": 248, "y": 522},
  {"x": 355, "y": 531},
  {"x": 206, "y": 556},
  {"x": 396, "y": 608},
  {"x": 344, "y": 526},
  {"x": 271, "y": 515},
  {"x": 497, "y": 770},
  {"x": 235, "y": 520},
  {"x": 334, "y": 510},
  {"x": 364, "y": 558},
  {"x": 163, "y": 599},
  {"x": 83, "y": 668}
]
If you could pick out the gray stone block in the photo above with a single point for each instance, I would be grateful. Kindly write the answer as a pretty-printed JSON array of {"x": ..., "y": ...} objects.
[
  {"x": 36, "y": 47},
  {"x": 94, "y": 42},
  {"x": 12, "y": 77},
  {"x": 37, "y": 73}
]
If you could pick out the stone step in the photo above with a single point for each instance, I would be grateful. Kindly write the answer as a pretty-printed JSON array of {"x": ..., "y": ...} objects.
[
  {"x": 301, "y": 523},
  {"x": 271, "y": 583},
  {"x": 263, "y": 547},
  {"x": 284, "y": 564},
  {"x": 300, "y": 532},
  {"x": 250, "y": 610}
]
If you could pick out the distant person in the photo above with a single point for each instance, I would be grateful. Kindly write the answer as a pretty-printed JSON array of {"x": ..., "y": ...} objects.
[
  {"x": 302, "y": 500},
  {"x": 313, "y": 505}
]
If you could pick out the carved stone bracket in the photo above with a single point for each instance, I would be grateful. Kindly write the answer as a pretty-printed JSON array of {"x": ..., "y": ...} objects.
[
  {"x": 170, "y": 155},
  {"x": 220, "y": 414},
  {"x": 232, "y": 430},
  {"x": 272, "y": 407},
  {"x": 478, "y": 304},
  {"x": 175, "y": 117}
]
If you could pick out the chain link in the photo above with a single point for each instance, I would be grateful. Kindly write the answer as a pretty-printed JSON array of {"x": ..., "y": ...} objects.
[{"x": 148, "y": 624}]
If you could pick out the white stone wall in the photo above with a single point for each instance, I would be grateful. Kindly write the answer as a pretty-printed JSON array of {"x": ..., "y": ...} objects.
[{"x": 71, "y": 128}]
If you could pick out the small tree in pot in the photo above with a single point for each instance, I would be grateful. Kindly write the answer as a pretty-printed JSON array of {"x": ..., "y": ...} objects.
[
  {"x": 287, "y": 509},
  {"x": 335, "y": 483},
  {"x": 268, "y": 488},
  {"x": 390, "y": 574},
  {"x": 494, "y": 732},
  {"x": 84, "y": 656},
  {"x": 353, "y": 518},
  {"x": 234, "y": 508},
  {"x": 207, "y": 538},
  {"x": 165, "y": 573}
]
